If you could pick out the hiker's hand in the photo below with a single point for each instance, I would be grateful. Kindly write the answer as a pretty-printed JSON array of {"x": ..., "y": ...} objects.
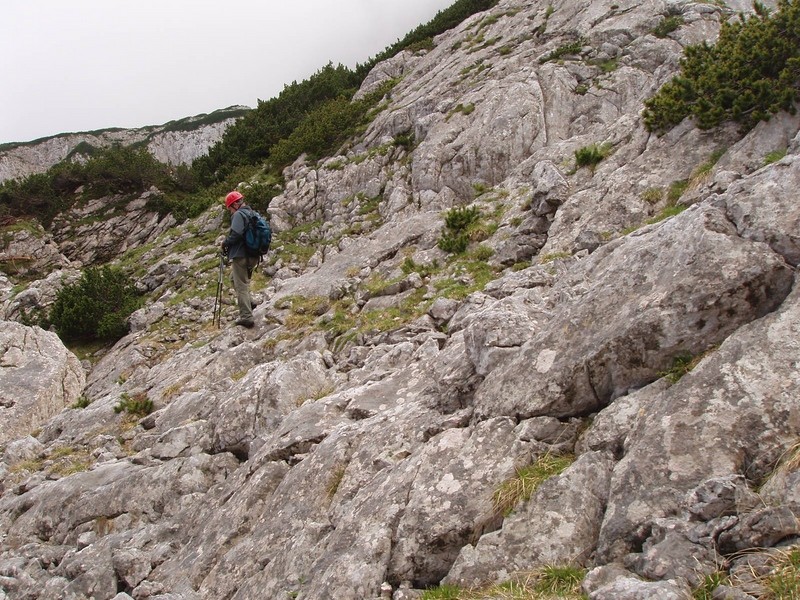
[{"x": 224, "y": 248}]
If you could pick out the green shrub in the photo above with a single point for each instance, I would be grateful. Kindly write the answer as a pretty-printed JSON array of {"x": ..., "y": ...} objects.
[
  {"x": 326, "y": 127},
  {"x": 667, "y": 26},
  {"x": 139, "y": 405},
  {"x": 180, "y": 206},
  {"x": 123, "y": 169},
  {"x": 81, "y": 402},
  {"x": 115, "y": 170},
  {"x": 750, "y": 73},
  {"x": 405, "y": 140},
  {"x": 96, "y": 307},
  {"x": 259, "y": 194},
  {"x": 250, "y": 139},
  {"x": 590, "y": 156},
  {"x": 607, "y": 66},
  {"x": 458, "y": 222},
  {"x": 454, "y": 242},
  {"x": 564, "y": 50},
  {"x": 459, "y": 219}
]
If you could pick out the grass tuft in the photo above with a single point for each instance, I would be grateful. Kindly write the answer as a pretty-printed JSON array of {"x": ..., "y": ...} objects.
[
  {"x": 546, "y": 583},
  {"x": 520, "y": 487}
]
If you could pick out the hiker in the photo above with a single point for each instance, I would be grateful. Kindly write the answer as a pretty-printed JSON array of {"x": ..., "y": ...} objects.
[{"x": 243, "y": 263}]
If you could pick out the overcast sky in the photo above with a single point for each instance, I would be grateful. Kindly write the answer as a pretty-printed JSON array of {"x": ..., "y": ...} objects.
[{"x": 81, "y": 65}]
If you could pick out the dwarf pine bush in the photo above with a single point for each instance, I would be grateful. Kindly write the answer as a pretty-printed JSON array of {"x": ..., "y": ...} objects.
[
  {"x": 138, "y": 405},
  {"x": 590, "y": 156},
  {"x": 96, "y": 307},
  {"x": 752, "y": 71},
  {"x": 458, "y": 222}
]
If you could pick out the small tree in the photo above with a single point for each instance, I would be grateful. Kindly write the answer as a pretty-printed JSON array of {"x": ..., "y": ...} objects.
[
  {"x": 458, "y": 221},
  {"x": 96, "y": 307}
]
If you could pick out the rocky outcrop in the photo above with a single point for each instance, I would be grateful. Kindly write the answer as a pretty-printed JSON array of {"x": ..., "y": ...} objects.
[
  {"x": 105, "y": 228},
  {"x": 648, "y": 323},
  {"x": 361, "y": 441},
  {"x": 27, "y": 251},
  {"x": 175, "y": 143},
  {"x": 40, "y": 377}
]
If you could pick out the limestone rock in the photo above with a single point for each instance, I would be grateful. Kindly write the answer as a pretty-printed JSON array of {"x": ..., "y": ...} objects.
[
  {"x": 39, "y": 296},
  {"x": 731, "y": 400},
  {"x": 40, "y": 377},
  {"x": 557, "y": 526},
  {"x": 762, "y": 211},
  {"x": 648, "y": 325},
  {"x": 30, "y": 251},
  {"x": 180, "y": 145},
  {"x": 98, "y": 240},
  {"x": 26, "y": 448}
]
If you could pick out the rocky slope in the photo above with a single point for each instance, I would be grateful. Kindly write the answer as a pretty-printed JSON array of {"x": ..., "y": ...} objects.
[
  {"x": 364, "y": 439},
  {"x": 176, "y": 143}
]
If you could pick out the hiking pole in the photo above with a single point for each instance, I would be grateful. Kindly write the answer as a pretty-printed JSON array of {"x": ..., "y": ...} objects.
[{"x": 217, "y": 316}]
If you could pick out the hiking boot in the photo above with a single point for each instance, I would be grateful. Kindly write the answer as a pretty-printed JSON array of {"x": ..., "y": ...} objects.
[{"x": 245, "y": 323}]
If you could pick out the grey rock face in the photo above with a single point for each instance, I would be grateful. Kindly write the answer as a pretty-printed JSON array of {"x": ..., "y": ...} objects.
[
  {"x": 174, "y": 147},
  {"x": 762, "y": 211},
  {"x": 39, "y": 296},
  {"x": 713, "y": 401},
  {"x": 31, "y": 251},
  {"x": 558, "y": 526},
  {"x": 40, "y": 377},
  {"x": 632, "y": 588},
  {"x": 650, "y": 321},
  {"x": 84, "y": 236},
  {"x": 27, "y": 448}
]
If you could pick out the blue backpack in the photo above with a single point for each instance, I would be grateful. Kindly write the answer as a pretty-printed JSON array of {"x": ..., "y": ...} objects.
[{"x": 257, "y": 234}]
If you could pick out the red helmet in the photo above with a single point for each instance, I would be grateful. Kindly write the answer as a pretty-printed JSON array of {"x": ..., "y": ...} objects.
[{"x": 231, "y": 198}]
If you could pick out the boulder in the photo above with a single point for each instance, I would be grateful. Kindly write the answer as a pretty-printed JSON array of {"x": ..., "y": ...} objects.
[
  {"x": 34, "y": 301},
  {"x": 694, "y": 282},
  {"x": 558, "y": 525},
  {"x": 29, "y": 251},
  {"x": 763, "y": 211},
  {"x": 741, "y": 397},
  {"x": 40, "y": 377}
]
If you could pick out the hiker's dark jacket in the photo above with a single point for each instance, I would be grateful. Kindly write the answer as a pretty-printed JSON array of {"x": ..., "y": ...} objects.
[{"x": 235, "y": 240}]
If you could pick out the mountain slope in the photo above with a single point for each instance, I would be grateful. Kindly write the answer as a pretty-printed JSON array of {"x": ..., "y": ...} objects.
[
  {"x": 177, "y": 142},
  {"x": 363, "y": 438}
]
